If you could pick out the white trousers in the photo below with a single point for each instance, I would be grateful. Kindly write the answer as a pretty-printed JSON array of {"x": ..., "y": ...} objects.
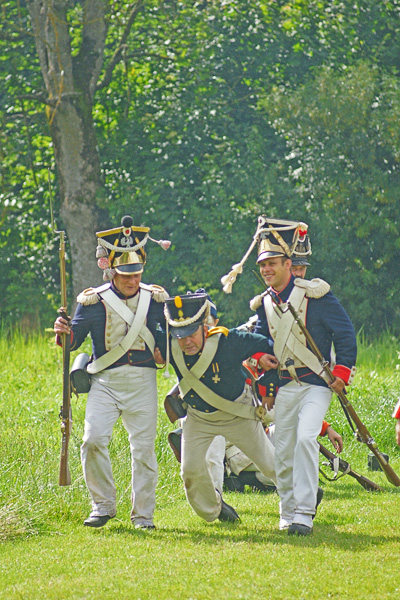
[
  {"x": 130, "y": 393},
  {"x": 299, "y": 412},
  {"x": 238, "y": 462},
  {"x": 199, "y": 430},
  {"x": 215, "y": 457}
]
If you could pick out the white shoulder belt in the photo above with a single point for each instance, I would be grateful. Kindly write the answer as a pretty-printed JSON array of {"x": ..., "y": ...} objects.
[
  {"x": 191, "y": 380},
  {"x": 289, "y": 341},
  {"x": 136, "y": 324}
]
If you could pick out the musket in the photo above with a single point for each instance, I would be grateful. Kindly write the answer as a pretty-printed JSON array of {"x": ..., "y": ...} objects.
[
  {"x": 65, "y": 411},
  {"x": 362, "y": 434},
  {"x": 338, "y": 464}
]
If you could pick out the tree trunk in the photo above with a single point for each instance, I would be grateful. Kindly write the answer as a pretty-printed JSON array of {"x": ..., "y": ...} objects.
[
  {"x": 79, "y": 182},
  {"x": 70, "y": 80}
]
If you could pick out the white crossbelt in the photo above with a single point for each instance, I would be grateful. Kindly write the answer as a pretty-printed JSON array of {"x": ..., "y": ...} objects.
[
  {"x": 136, "y": 323},
  {"x": 190, "y": 380},
  {"x": 289, "y": 340},
  {"x": 286, "y": 320}
]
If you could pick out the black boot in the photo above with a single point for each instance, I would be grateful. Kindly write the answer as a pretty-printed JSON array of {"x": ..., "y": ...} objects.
[
  {"x": 97, "y": 521},
  {"x": 175, "y": 439},
  {"x": 228, "y": 513}
]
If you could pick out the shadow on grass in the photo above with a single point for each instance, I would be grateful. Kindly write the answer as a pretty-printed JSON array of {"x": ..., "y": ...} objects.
[
  {"x": 345, "y": 520},
  {"x": 325, "y": 534}
]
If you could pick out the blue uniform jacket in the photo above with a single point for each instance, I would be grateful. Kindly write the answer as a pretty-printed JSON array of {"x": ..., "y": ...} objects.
[
  {"x": 92, "y": 319},
  {"x": 225, "y": 375},
  {"x": 328, "y": 323}
]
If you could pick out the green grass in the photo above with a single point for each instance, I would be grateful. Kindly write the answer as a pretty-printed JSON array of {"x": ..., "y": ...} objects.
[{"x": 46, "y": 553}]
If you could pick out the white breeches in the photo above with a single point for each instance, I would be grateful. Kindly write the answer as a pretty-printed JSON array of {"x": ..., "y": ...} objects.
[
  {"x": 199, "y": 430},
  {"x": 215, "y": 458},
  {"x": 130, "y": 393},
  {"x": 299, "y": 412}
]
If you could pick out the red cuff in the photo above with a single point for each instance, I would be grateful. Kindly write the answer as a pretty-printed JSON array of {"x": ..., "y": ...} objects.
[
  {"x": 324, "y": 428},
  {"x": 396, "y": 412},
  {"x": 257, "y": 357},
  {"x": 251, "y": 370},
  {"x": 342, "y": 372},
  {"x": 262, "y": 390}
]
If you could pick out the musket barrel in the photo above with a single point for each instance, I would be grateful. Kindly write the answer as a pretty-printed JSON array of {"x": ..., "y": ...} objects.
[
  {"x": 66, "y": 420},
  {"x": 365, "y": 436}
]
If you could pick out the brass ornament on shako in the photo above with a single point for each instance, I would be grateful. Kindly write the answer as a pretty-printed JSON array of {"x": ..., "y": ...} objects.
[
  {"x": 274, "y": 238},
  {"x": 129, "y": 262},
  {"x": 178, "y": 304},
  {"x": 121, "y": 250}
]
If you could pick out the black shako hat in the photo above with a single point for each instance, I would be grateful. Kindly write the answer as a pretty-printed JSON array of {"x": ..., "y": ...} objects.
[
  {"x": 184, "y": 314},
  {"x": 279, "y": 238},
  {"x": 274, "y": 238},
  {"x": 213, "y": 307},
  {"x": 121, "y": 250},
  {"x": 301, "y": 252}
]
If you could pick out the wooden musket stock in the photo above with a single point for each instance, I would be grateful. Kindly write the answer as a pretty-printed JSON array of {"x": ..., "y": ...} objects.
[
  {"x": 346, "y": 469},
  {"x": 65, "y": 414},
  {"x": 362, "y": 433}
]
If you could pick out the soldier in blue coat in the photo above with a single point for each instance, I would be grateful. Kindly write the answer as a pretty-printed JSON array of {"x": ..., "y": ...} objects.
[
  {"x": 300, "y": 257},
  {"x": 123, "y": 319},
  {"x": 212, "y": 383},
  {"x": 304, "y": 394}
]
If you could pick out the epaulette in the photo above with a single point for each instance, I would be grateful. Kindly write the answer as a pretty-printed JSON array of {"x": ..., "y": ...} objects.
[
  {"x": 219, "y": 329},
  {"x": 159, "y": 294},
  {"x": 316, "y": 288},
  {"x": 257, "y": 300},
  {"x": 91, "y": 295},
  {"x": 249, "y": 325}
]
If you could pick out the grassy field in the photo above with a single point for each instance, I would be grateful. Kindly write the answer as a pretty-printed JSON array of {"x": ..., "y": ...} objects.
[{"x": 46, "y": 553}]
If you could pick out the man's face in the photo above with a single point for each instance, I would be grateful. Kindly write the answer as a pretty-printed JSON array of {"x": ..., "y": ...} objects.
[
  {"x": 299, "y": 271},
  {"x": 127, "y": 284},
  {"x": 192, "y": 344},
  {"x": 276, "y": 272}
]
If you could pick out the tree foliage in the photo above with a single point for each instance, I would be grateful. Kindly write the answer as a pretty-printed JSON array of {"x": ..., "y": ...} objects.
[
  {"x": 345, "y": 159},
  {"x": 205, "y": 115}
]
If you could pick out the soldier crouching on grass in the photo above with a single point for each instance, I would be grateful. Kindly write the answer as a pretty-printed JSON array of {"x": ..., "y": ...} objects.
[
  {"x": 123, "y": 318},
  {"x": 208, "y": 363}
]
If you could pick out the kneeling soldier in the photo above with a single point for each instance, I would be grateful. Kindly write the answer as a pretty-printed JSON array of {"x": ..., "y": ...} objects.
[{"x": 208, "y": 363}]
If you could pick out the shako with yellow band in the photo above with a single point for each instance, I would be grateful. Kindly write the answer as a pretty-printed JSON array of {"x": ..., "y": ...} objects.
[
  {"x": 185, "y": 313},
  {"x": 121, "y": 249},
  {"x": 273, "y": 238},
  {"x": 279, "y": 237}
]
